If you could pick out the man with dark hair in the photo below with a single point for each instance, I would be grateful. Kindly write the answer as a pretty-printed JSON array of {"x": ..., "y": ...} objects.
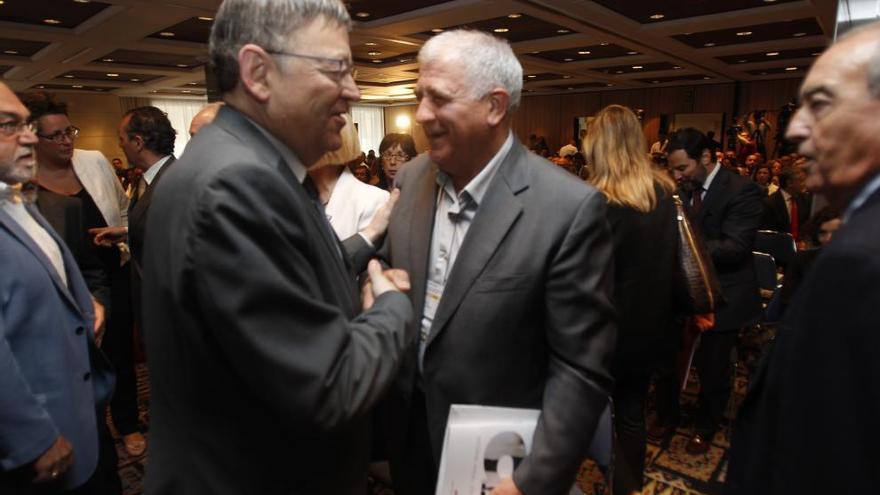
[
  {"x": 788, "y": 209},
  {"x": 809, "y": 421},
  {"x": 726, "y": 209},
  {"x": 263, "y": 369},
  {"x": 53, "y": 379}
]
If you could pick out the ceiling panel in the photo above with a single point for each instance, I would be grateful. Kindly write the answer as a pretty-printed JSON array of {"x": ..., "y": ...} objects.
[
  {"x": 153, "y": 59},
  {"x": 371, "y": 10},
  {"x": 518, "y": 28},
  {"x": 648, "y": 11},
  {"x": 109, "y": 76},
  {"x": 21, "y": 48},
  {"x": 581, "y": 53},
  {"x": 788, "y": 69},
  {"x": 752, "y": 33},
  {"x": 194, "y": 29},
  {"x": 684, "y": 77},
  {"x": 640, "y": 67},
  {"x": 766, "y": 56},
  {"x": 75, "y": 87},
  {"x": 55, "y": 13}
]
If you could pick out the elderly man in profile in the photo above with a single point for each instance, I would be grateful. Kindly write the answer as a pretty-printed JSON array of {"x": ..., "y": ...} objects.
[
  {"x": 510, "y": 262},
  {"x": 263, "y": 368},
  {"x": 809, "y": 422},
  {"x": 53, "y": 378}
]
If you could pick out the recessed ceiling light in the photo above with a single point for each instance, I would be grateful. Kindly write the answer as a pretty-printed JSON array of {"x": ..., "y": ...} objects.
[
  {"x": 437, "y": 30},
  {"x": 154, "y": 91},
  {"x": 637, "y": 67},
  {"x": 531, "y": 76},
  {"x": 374, "y": 54},
  {"x": 370, "y": 43},
  {"x": 501, "y": 30},
  {"x": 166, "y": 34},
  {"x": 51, "y": 21},
  {"x": 106, "y": 60},
  {"x": 514, "y": 16},
  {"x": 618, "y": 72},
  {"x": 563, "y": 31},
  {"x": 377, "y": 61},
  {"x": 535, "y": 52},
  {"x": 657, "y": 16},
  {"x": 10, "y": 52},
  {"x": 798, "y": 35},
  {"x": 791, "y": 68},
  {"x": 609, "y": 85},
  {"x": 769, "y": 1},
  {"x": 112, "y": 74},
  {"x": 583, "y": 52},
  {"x": 604, "y": 43},
  {"x": 193, "y": 83},
  {"x": 566, "y": 77},
  {"x": 69, "y": 76},
  {"x": 568, "y": 59},
  {"x": 708, "y": 44},
  {"x": 772, "y": 54},
  {"x": 40, "y": 86},
  {"x": 135, "y": 80},
  {"x": 99, "y": 89},
  {"x": 81, "y": 1},
  {"x": 632, "y": 53},
  {"x": 655, "y": 82},
  {"x": 676, "y": 67},
  {"x": 185, "y": 91},
  {"x": 77, "y": 86},
  {"x": 404, "y": 60},
  {"x": 182, "y": 66},
  {"x": 706, "y": 78},
  {"x": 742, "y": 61},
  {"x": 362, "y": 14},
  {"x": 816, "y": 54},
  {"x": 744, "y": 33}
]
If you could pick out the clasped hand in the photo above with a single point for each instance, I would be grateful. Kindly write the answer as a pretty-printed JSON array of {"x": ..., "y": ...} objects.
[{"x": 381, "y": 281}]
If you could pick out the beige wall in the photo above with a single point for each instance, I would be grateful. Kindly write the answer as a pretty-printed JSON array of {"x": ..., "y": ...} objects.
[{"x": 391, "y": 114}]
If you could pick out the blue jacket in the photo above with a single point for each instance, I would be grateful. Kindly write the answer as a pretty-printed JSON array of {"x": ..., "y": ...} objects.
[{"x": 52, "y": 376}]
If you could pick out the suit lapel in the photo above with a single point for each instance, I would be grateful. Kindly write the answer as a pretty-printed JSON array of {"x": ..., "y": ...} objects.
[
  {"x": 38, "y": 253},
  {"x": 421, "y": 228},
  {"x": 495, "y": 216}
]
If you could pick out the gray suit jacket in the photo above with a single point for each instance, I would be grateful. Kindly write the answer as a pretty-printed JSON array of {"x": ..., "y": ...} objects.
[
  {"x": 525, "y": 319},
  {"x": 262, "y": 370}
]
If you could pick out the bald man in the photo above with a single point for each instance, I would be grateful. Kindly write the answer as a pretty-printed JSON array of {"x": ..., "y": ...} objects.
[{"x": 204, "y": 117}]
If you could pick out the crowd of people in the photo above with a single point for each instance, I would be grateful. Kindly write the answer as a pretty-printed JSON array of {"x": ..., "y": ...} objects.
[{"x": 307, "y": 308}]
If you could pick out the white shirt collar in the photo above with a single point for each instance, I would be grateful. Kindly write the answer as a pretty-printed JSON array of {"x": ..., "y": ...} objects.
[
  {"x": 299, "y": 170},
  {"x": 711, "y": 177},
  {"x": 870, "y": 188},
  {"x": 477, "y": 187},
  {"x": 153, "y": 171}
]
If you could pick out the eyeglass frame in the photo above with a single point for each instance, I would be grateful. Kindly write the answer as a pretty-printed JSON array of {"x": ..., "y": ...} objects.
[
  {"x": 337, "y": 74},
  {"x": 399, "y": 157},
  {"x": 71, "y": 132},
  {"x": 14, "y": 128}
]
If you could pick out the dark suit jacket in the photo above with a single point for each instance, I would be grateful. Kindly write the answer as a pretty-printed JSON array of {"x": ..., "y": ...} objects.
[
  {"x": 64, "y": 214},
  {"x": 525, "y": 319},
  {"x": 646, "y": 281},
  {"x": 776, "y": 215},
  {"x": 137, "y": 224},
  {"x": 52, "y": 376},
  {"x": 728, "y": 222},
  {"x": 809, "y": 421},
  {"x": 262, "y": 370}
]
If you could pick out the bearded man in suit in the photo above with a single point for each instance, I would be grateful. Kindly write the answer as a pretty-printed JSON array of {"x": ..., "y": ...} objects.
[{"x": 510, "y": 259}]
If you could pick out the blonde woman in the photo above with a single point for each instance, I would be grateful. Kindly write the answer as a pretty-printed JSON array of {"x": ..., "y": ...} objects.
[{"x": 642, "y": 218}]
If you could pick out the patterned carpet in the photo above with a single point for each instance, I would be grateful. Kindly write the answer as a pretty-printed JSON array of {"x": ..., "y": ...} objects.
[{"x": 669, "y": 470}]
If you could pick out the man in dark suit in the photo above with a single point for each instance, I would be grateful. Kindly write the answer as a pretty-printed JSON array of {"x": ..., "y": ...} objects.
[
  {"x": 263, "y": 372},
  {"x": 726, "y": 210},
  {"x": 809, "y": 421},
  {"x": 790, "y": 199},
  {"x": 147, "y": 139},
  {"x": 53, "y": 379},
  {"x": 511, "y": 266}
]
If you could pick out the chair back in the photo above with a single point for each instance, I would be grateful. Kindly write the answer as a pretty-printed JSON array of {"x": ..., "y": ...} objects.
[
  {"x": 779, "y": 245},
  {"x": 765, "y": 270}
]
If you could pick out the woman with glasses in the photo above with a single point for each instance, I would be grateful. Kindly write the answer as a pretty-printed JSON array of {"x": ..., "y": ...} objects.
[
  {"x": 641, "y": 214},
  {"x": 64, "y": 172},
  {"x": 394, "y": 151}
]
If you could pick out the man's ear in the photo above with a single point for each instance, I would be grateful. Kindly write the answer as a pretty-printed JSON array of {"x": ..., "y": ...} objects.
[
  {"x": 254, "y": 65},
  {"x": 706, "y": 158},
  {"x": 498, "y": 100}
]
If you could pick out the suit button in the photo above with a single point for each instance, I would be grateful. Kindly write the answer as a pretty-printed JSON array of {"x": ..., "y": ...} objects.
[
  {"x": 86, "y": 376},
  {"x": 80, "y": 330}
]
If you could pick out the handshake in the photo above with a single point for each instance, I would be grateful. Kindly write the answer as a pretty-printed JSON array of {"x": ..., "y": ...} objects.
[{"x": 380, "y": 281}]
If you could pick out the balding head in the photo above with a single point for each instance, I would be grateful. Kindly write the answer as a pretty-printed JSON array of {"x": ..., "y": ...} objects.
[
  {"x": 204, "y": 117},
  {"x": 836, "y": 127}
]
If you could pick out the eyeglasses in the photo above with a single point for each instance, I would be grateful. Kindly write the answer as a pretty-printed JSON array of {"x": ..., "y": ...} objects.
[
  {"x": 336, "y": 68},
  {"x": 58, "y": 136},
  {"x": 400, "y": 157},
  {"x": 16, "y": 127}
]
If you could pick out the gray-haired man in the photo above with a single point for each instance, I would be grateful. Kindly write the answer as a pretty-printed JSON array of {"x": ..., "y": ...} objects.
[
  {"x": 263, "y": 372},
  {"x": 514, "y": 306}
]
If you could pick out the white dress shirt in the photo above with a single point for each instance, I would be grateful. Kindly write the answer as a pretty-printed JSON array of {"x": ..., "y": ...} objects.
[
  {"x": 14, "y": 207},
  {"x": 352, "y": 204}
]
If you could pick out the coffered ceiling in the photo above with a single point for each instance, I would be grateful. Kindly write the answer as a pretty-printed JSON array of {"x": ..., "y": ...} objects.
[{"x": 144, "y": 47}]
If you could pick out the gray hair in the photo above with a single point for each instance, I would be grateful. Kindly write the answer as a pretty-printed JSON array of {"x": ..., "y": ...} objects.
[
  {"x": 873, "y": 62},
  {"x": 487, "y": 62},
  {"x": 266, "y": 23}
]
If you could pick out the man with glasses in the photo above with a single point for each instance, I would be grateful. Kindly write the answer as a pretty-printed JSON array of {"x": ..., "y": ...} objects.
[
  {"x": 263, "y": 369},
  {"x": 510, "y": 261},
  {"x": 52, "y": 376}
]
